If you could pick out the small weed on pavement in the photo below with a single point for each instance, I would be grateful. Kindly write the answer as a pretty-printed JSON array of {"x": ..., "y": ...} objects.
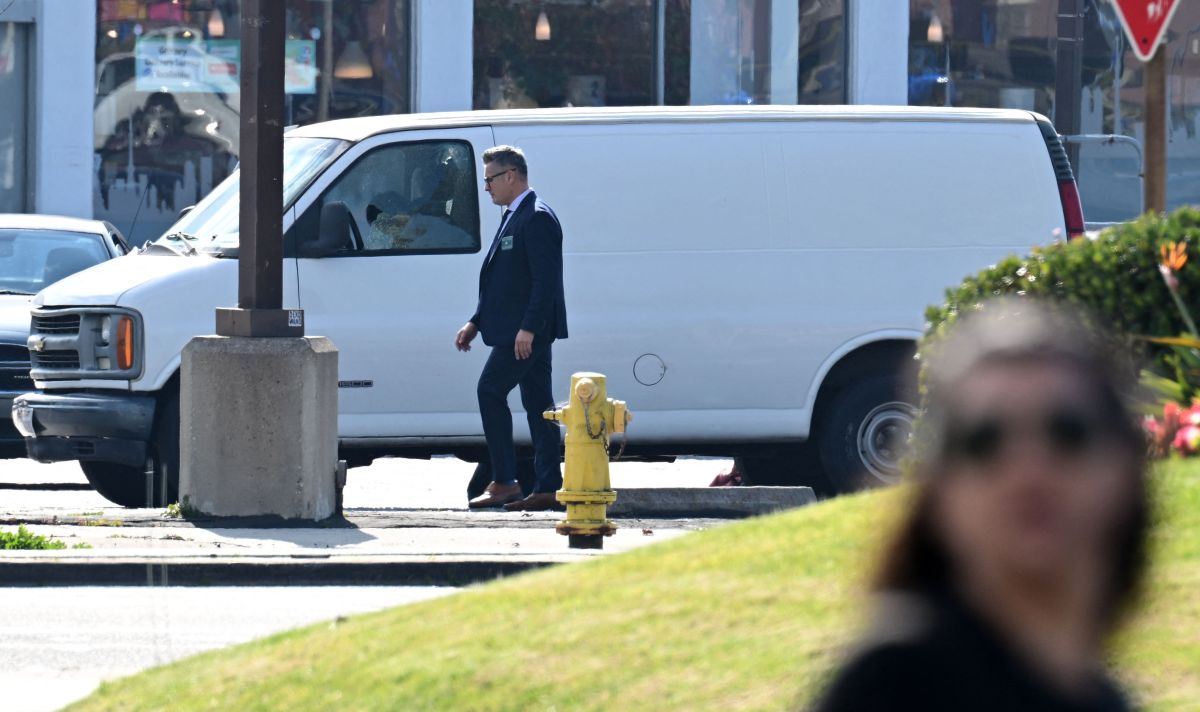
[{"x": 25, "y": 539}]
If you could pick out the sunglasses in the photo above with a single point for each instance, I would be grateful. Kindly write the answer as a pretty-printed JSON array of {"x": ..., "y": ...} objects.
[
  {"x": 489, "y": 179},
  {"x": 1064, "y": 433}
]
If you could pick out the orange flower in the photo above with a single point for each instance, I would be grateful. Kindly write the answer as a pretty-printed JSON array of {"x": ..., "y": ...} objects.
[{"x": 1174, "y": 255}]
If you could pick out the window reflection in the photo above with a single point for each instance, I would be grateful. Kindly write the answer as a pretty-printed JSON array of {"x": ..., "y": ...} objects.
[
  {"x": 567, "y": 53},
  {"x": 987, "y": 53},
  {"x": 767, "y": 51},
  {"x": 14, "y": 100},
  {"x": 563, "y": 54},
  {"x": 405, "y": 198},
  {"x": 167, "y": 106},
  {"x": 1002, "y": 53},
  {"x": 1113, "y": 102}
]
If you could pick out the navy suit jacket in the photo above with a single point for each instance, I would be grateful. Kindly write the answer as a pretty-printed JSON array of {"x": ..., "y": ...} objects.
[{"x": 521, "y": 281}]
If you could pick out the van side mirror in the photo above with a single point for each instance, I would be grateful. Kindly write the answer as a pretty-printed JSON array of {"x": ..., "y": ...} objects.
[{"x": 336, "y": 232}]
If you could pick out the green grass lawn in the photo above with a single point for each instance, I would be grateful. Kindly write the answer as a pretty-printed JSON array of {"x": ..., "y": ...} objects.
[{"x": 748, "y": 616}]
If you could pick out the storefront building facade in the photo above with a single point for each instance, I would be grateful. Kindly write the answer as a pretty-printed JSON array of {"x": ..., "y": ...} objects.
[
  {"x": 46, "y": 54},
  {"x": 164, "y": 124}
]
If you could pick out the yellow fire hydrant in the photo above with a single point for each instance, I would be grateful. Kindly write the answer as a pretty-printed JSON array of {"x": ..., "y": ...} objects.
[{"x": 590, "y": 417}]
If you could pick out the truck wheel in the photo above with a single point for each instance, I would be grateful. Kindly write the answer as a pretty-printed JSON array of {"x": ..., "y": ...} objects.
[
  {"x": 863, "y": 436},
  {"x": 128, "y": 486}
]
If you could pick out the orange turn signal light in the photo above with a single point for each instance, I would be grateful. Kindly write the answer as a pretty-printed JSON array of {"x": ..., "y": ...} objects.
[{"x": 125, "y": 343}]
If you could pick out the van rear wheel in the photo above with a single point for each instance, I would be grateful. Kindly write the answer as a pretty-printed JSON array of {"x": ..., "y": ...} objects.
[
  {"x": 864, "y": 435},
  {"x": 157, "y": 483},
  {"x": 786, "y": 466}
]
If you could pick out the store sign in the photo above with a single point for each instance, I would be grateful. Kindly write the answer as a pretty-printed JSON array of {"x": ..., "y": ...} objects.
[
  {"x": 168, "y": 64},
  {"x": 300, "y": 67},
  {"x": 1145, "y": 23}
]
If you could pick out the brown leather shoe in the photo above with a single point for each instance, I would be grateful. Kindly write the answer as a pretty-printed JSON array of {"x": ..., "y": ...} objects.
[
  {"x": 496, "y": 495},
  {"x": 536, "y": 502}
]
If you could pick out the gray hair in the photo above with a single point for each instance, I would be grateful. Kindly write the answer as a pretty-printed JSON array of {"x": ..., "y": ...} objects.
[{"x": 509, "y": 157}]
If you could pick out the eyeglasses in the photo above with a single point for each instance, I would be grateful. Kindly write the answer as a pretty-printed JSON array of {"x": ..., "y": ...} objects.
[
  {"x": 1065, "y": 433},
  {"x": 488, "y": 179}
]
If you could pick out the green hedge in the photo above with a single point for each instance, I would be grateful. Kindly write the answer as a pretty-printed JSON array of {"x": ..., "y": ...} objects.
[{"x": 1114, "y": 276}]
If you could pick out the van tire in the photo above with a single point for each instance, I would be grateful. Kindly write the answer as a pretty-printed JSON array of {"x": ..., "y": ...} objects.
[
  {"x": 127, "y": 486},
  {"x": 788, "y": 466},
  {"x": 862, "y": 436},
  {"x": 482, "y": 477}
]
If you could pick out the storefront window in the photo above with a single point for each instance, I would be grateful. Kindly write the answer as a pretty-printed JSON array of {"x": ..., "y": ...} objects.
[
  {"x": 646, "y": 52},
  {"x": 1113, "y": 103},
  {"x": 1002, "y": 54},
  {"x": 14, "y": 103},
  {"x": 766, "y": 51},
  {"x": 167, "y": 107},
  {"x": 986, "y": 53},
  {"x": 563, "y": 54}
]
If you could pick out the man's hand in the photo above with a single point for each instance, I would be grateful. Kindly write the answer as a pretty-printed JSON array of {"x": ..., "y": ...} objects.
[
  {"x": 523, "y": 348},
  {"x": 465, "y": 336}
]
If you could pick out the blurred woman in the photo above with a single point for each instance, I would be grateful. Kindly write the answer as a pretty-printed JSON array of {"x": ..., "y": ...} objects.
[{"x": 1026, "y": 537}]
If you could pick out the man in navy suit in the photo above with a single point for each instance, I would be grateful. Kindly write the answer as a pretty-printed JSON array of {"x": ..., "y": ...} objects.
[{"x": 521, "y": 312}]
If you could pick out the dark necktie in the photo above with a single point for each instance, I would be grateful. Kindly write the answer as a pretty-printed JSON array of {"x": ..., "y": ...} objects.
[
  {"x": 496, "y": 239},
  {"x": 503, "y": 221}
]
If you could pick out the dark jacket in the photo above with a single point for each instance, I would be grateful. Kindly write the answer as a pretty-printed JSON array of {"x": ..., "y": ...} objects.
[
  {"x": 931, "y": 652},
  {"x": 521, "y": 281}
]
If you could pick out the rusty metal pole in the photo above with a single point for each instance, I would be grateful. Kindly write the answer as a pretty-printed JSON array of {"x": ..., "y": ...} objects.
[
  {"x": 1155, "y": 167},
  {"x": 260, "y": 246}
]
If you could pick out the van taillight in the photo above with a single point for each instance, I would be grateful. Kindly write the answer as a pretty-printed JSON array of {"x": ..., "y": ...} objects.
[
  {"x": 1068, "y": 192},
  {"x": 125, "y": 343},
  {"x": 1060, "y": 163}
]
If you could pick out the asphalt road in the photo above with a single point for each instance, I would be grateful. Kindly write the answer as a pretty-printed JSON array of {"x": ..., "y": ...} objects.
[{"x": 58, "y": 644}]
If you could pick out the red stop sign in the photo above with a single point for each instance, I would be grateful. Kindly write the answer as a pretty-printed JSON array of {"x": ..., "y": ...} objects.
[{"x": 1145, "y": 23}]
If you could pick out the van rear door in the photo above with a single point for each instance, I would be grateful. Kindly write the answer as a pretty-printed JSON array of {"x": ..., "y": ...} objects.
[{"x": 392, "y": 300}]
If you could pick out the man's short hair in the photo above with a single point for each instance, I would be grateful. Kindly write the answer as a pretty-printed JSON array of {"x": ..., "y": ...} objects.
[{"x": 509, "y": 157}]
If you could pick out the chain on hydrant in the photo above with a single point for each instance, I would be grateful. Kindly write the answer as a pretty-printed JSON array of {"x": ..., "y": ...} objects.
[{"x": 590, "y": 417}]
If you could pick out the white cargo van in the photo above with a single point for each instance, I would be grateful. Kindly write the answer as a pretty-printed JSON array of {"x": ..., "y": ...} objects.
[{"x": 749, "y": 278}]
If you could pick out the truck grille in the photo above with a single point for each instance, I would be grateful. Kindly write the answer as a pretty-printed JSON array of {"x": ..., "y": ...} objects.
[
  {"x": 14, "y": 368},
  {"x": 56, "y": 324},
  {"x": 56, "y": 359}
]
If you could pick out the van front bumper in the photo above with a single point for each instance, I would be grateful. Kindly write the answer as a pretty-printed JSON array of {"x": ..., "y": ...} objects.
[{"x": 85, "y": 426}]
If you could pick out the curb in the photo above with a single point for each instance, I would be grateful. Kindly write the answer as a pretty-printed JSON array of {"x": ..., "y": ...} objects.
[
  {"x": 455, "y": 573},
  {"x": 712, "y": 502}
]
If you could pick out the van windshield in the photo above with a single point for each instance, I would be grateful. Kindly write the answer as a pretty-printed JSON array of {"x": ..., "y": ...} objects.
[{"x": 213, "y": 224}]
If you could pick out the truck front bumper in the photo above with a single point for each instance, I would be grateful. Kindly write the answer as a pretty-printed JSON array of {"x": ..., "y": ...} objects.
[
  {"x": 11, "y": 442},
  {"x": 85, "y": 426}
]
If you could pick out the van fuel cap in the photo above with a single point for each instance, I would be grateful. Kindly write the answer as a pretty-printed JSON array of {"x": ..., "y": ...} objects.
[{"x": 649, "y": 369}]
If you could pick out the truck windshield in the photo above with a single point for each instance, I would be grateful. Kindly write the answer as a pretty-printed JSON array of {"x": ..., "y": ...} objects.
[{"x": 213, "y": 223}]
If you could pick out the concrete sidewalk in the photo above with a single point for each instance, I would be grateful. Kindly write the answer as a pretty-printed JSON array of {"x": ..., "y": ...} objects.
[
  {"x": 398, "y": 548},
  {"x": 433, "y": 541}
]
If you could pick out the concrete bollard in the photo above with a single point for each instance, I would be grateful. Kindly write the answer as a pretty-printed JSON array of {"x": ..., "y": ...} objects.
[{"x": 258, "y": 427}]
